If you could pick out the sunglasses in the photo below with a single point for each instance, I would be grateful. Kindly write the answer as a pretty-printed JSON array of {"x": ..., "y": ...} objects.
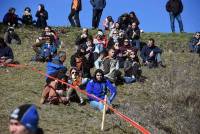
[
  {"x": 98, "y": 75},
  {"x": 73, "y": 72}
]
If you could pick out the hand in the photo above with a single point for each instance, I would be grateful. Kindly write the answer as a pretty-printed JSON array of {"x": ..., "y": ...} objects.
[{"x": 151, "y": 54}]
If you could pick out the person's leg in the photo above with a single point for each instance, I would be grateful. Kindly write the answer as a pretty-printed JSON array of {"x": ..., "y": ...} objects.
[
  {"x": 137, "y": 44},
  {"x": 97, "y": 105},
  {"x": 70, "y": 17},
  {"x": 94, "y": 18},
  {"x": 129, "y": 79},
  {"x": 179, "y": 19},
  {"x": 158, "y": 57},
  {"x": 172, "y": 18},
  {"x": 77, "y": 20},
  {"x": 69, "y": 93},
  {"x": 99, "y": 13},
  {"x": 191, "y": 47}
]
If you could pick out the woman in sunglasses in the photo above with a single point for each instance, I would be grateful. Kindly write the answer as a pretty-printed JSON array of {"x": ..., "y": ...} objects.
[{"x": 77, "y": 82}]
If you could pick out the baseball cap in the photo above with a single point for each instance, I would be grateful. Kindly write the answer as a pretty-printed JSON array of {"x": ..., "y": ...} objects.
[{"x": 27, "y": 115}]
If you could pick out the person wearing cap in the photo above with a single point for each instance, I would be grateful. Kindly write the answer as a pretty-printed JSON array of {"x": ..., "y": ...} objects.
[
  {"x": 10, "y": 18},
  {"x": 11, "y": 37},
  {"x": 24, "y": 120},
  {"x": 98, "y": 6},
  {"x": 6, "y": 53},
  {"x": 27, "y": 18},
  {"x": 73, "y": 17},
  {"x": 194, "y": 44}
]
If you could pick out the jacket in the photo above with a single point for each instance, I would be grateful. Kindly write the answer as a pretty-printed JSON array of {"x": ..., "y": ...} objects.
[
  {"x": 6, "y": 52},
  {"x": 76, "y": 5},
  {"x": 10, "y": 18},
  {"x": 174, "y": 6},
  {"x": 54, "y": 66},
  {"x": 99, "y": 89},
  {"x": 146, "y": 50},
  {"x": 98, "y": 4}
]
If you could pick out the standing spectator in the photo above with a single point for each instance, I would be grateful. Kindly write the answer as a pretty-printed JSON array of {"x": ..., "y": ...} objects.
[
  {"x": 73, "y": 17},
  {"x": 194, "y": 44},
  {"x": 11, "y": 36},
  {"x": 42, "y": 16},
  {"x": 11, "y": 18},
  {"x": 6, "y": 53},
  {"x": 27, "y": 18},
  {"x": 24, "y": 120},
  {"x": 98, "y": 6},
  {"x": 175, "y": 8},
  {"x": 151, "y": 54},
  {"x": 99, "y": 87}
]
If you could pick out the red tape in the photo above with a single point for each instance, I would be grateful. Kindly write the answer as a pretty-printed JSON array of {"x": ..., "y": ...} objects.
[{"x": 122, "y": 116}]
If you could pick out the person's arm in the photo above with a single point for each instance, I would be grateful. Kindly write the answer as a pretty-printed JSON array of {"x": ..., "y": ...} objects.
[
  {"x": 112, "y": 91},
  {"x": 37, "y": 14},
  {"x": 104, "y": 3},
  {"x": 168, "y": 7},
  {"x": 157, "y": 50},
  {"x": 181, "y": 6},
  {"x": 46, "y": 15},
  {"x": 73, "y": 61},
  {"x": 143, "y": 55},
  {"x": 127, "y": 66},
  {"x": 92, "y": 3}
]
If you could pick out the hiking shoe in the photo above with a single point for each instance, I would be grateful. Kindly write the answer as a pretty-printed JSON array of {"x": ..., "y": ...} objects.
[{"x": 161, "y": 65}]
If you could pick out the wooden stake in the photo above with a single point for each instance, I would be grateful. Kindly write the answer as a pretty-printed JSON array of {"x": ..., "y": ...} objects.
[{"x": 104, "y": 113}]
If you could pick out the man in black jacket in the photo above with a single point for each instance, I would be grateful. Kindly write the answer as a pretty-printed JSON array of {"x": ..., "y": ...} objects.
[
  {"x": 98, "y": 6},
  {"x": 73, "y": 17},
  {"x": 175, "y": 8}
]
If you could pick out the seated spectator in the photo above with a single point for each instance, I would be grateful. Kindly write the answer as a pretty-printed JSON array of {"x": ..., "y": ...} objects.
[
  {"x": 78, "y": 82},
  {"x": 100, "y": 43},
  {"x": 45, "y": 50},
  {"x": 79, "y": 61},
  {"x": 108, "y": 23},
  {"x": 116, "y": 27},
  {"x": 99, "y": 87},
  {"x": 57, "y": 63},
  {"x": 124, "y": 21},
  {"x": 194, "y": 44},
  {"x": 11, "y": 36},
  {"x": 111, "y": 67},
  {"x": 133, "y": 33},
  {"x": 132, "y": 69},
  {"x": 99, "y": 62},
  {"x": 151, "y": 55},
  {"x": 48, "y": 32},
  {"x": 82, "y": 38},
  {"x": 42, "y": 16},
  {"x": 133, "y": 18},
  {"x": 6, "y": 53},
  {"x": 24, "y": 120},
  {"x": 113, "y": 39},
  {"x": 54, "y": 91},
  {"x": 27, "y": 18},
  {"x": 10, "y": 18}
]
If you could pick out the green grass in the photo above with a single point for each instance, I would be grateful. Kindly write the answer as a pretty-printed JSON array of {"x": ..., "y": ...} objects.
[{"x": 168, "y": 102}]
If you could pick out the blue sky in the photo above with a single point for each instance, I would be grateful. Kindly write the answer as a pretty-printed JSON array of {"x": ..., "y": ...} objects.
[{"x": 151, "y": 13}]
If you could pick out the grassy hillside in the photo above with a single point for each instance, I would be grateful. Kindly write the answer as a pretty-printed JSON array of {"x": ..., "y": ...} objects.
[{"x": 167, "y": 103}]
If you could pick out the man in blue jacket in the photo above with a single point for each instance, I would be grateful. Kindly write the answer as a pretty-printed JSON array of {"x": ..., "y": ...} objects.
[
  {"x": 99, "y": 86},
  {"x": 151, "y": 54},
  {"x": 98, "y": 6}
]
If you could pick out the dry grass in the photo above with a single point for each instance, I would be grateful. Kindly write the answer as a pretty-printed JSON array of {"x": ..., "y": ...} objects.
[{"x": 168, "y": 102}]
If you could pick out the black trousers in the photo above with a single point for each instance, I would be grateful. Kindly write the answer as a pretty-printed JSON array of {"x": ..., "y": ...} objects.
[
  {"x": 74, "y": 18},
  {"x": 96, "y": 17}
]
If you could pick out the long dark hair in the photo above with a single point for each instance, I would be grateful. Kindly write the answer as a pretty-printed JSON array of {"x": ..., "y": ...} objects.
[{"x": 101, "y": 72}]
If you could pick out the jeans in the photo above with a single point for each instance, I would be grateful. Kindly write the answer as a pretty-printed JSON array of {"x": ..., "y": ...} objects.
[
  {"x": 172, "y": 21},
  {"x": 96, "y": 17},
  {"x": 136, "y": 44},
  {"x": 129, "y": 79},
  {"x": 97, "y": 105},
  {"x": 194, "y": 48},
  {"x": 158, "y": 57},
  {"x": 74, "y": 18}
]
